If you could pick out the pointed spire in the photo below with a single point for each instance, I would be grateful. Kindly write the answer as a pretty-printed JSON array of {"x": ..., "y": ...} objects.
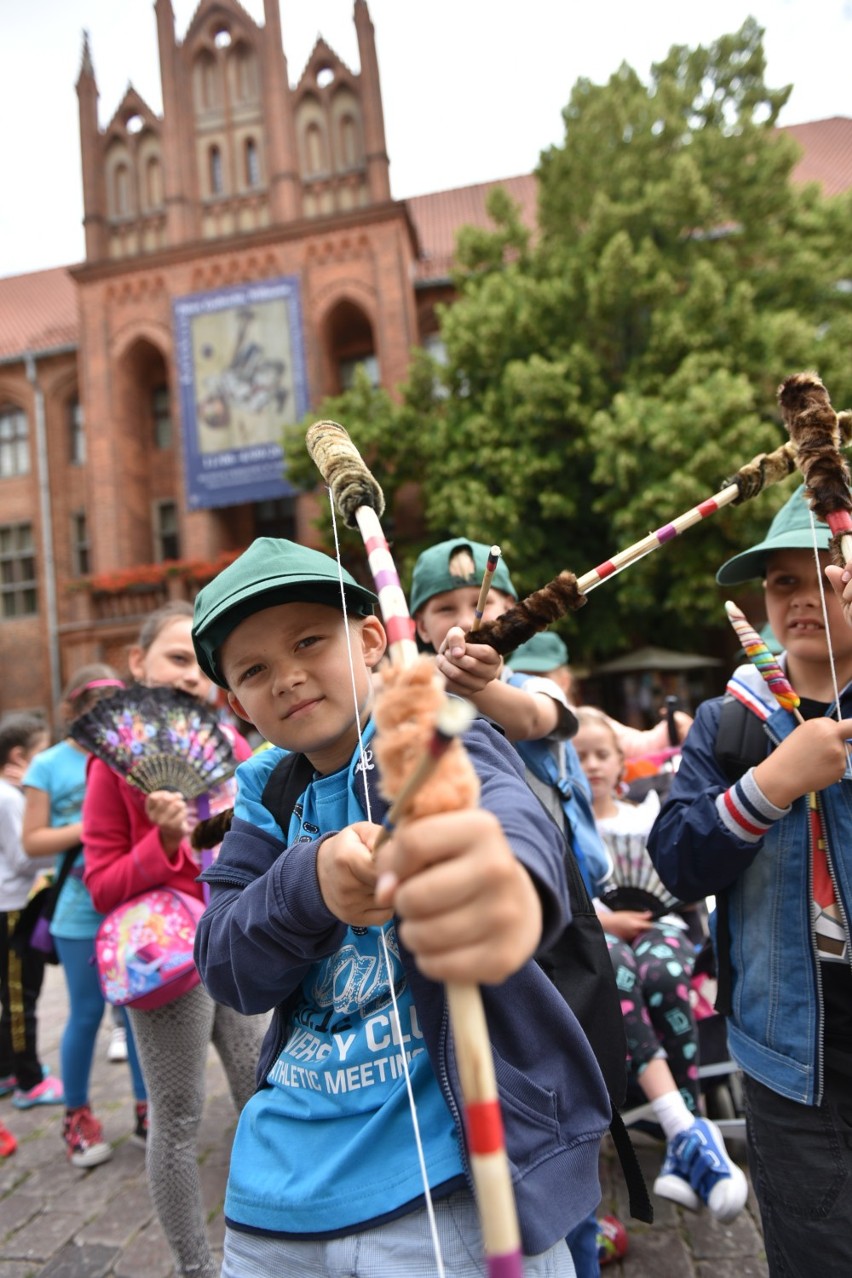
[
  {"x": 371, "y": 103},
  {"x": 86, "y": 66},
  {"x": 94, "y": 198}
]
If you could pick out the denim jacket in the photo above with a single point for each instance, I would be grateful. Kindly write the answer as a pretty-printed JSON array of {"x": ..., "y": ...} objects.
[
  {"x": 775, "y": 1028},
  {"x": 267, "y": 922}
]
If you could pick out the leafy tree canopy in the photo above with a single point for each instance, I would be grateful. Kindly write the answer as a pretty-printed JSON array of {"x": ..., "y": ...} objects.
[{"x": 616, "y": 367}]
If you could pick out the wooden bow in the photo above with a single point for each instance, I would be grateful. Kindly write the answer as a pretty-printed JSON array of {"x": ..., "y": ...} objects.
[
  {"x": 360, "y": 501},
  {"x": 567, "y": 592}
]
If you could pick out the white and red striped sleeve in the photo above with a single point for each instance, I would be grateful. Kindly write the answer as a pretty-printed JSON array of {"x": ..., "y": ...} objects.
[{"x": 745, "y": 811}]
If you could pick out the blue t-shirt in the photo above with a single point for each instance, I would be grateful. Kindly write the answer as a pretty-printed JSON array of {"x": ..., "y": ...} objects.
[
  {"x": 61, "y": 772},
  {"x": 329, "y": 1144}
]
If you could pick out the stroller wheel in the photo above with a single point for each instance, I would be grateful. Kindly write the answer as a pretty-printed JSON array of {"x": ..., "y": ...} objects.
[{"x": 720, "y": 1102}]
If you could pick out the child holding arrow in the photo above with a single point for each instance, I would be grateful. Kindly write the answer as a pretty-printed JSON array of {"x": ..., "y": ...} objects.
[
  {"x": 324, "y": 1175},
  {"x": 739, "y": 824}
]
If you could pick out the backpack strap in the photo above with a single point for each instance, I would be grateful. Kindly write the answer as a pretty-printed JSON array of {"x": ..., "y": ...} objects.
[
  {"x": 287, "y": 781},
  {"x": 740, "y": 744},
  {"x": 639, "y": 1201},
  {"x": 740, "y": 739}
]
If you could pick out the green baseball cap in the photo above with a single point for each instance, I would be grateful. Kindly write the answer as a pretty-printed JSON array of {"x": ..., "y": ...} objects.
[
  {"x": 544, "y": 652},
  {"x": 789, "y": 530},
  {"x": 432, "y": 574},
  {"x": 272, "y": 571}
]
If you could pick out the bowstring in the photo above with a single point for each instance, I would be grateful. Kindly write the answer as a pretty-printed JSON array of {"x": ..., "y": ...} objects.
[
  {"x": 824, "y": 605},
  {"x": 362, "y": 756}
]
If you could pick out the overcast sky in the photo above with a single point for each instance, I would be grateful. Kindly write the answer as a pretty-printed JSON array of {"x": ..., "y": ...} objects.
[{"x": 473, "y": 89}]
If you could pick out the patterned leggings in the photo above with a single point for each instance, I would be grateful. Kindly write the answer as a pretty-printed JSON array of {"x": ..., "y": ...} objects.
[
  {"x": 172, "y": 1042},
  {"x": 652, "y": 976}
]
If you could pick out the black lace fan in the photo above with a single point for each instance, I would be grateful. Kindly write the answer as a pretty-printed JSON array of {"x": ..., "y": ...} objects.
[
  {"x": 634, "y": 883},
  {"x": 158, "y": 739}
]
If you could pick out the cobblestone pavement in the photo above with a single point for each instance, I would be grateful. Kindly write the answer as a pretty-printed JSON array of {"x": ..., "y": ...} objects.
[{"x": 60, "y": 1222}]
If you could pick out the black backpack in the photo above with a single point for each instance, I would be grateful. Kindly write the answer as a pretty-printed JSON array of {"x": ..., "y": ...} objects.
[
  {"x": 578, "y": 964},
  {"x": 581, "y": 969},
  {"x": 740, "y": 744}
]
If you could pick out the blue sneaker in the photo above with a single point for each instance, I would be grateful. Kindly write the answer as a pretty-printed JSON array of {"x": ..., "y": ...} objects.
[
  {"x": 47, "y": 1092},
  {"x": 697, "y": 1170}
]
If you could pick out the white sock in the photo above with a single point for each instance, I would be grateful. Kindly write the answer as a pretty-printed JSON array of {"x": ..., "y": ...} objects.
[{"x": 672, "y": 1113}]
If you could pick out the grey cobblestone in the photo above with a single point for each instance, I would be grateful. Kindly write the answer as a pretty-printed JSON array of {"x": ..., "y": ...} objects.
[{"x": 57, "y": 1221}]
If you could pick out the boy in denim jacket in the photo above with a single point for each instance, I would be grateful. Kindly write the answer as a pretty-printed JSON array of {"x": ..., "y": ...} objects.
[{"x": 770, "y": 835}]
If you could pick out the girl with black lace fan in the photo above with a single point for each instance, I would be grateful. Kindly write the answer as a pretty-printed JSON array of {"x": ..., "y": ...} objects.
[{"x": 137, "y": 817}]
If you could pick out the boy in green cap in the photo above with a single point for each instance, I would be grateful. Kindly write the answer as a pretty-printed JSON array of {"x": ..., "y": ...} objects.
[
  {"x": 534, "y": 713},
  {"x": 445, "y": 589},
  {"x": 760, "y": 814},
  {"x": 324, "y": 1175}
]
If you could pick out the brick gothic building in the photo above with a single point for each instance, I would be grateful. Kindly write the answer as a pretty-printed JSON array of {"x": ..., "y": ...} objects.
[{"x": 114, "y": 394}]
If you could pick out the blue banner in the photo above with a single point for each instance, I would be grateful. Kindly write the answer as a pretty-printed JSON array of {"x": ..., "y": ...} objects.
[{"x": 240, "y": 357}]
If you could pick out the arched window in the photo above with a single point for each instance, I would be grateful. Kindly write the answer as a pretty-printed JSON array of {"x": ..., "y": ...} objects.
[
  {"x": 153, "y": 183},
  {"x": 121, "y": 180},
  {"x": 217, "y": 185},
  {"x": 349, "y": 142},
  {"x": 351, "y": 345},
  {"x": 315, "y": 150},
  {"x": 252, "y": 163},
  {"x": 243, "y": 74},
  {"x": 14, "y": 443},
  {"x": 205, "y": 78},
  {"x": 76, "y": 433}
]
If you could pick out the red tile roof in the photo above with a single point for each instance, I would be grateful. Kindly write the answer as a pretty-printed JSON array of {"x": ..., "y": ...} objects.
[
  {"x": 827, "y": 159},
  {"x": 827, "y": 153},
  {"x": 38, "y": 311},
  {"x": 437, "y": 218}
]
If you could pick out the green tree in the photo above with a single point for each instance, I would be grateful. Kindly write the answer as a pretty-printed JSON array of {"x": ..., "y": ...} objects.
[{"x": 615, "y": 368}]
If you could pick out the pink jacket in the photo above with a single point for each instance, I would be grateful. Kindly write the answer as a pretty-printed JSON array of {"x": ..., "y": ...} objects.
[{"x": 123, "y": 852}]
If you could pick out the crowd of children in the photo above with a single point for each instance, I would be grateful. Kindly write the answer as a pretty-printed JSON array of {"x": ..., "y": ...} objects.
[{"x": 338, "y": 940}]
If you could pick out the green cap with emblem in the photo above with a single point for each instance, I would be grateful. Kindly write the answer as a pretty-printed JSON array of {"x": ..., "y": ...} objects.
[
  {"x": 432, "y": 574},
  {"x": 544, "y": 652},
  {"x": 790, "y": 530},
  {"x": 272, "y": 571}
]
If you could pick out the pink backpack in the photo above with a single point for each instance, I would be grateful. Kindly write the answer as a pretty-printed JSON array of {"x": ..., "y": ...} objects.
[{"x": 143, "y": 949}]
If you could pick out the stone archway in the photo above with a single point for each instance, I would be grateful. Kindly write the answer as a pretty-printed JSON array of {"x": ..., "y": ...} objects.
[
  {"x": 349, "y": 341},
  {"x": 146, "y": 439}
]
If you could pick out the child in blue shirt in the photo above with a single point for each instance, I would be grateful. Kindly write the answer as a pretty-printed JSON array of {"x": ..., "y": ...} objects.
[{"x": 323, "y": 1165}]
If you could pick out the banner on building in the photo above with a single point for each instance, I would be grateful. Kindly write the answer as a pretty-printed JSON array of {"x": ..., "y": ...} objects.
[{"x": 241, "y": 368}]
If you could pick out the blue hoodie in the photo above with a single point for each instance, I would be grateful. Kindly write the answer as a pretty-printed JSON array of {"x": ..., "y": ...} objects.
[{"x": 266, "y": 926}]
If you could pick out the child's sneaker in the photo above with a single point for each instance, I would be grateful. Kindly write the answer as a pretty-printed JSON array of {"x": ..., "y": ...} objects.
[
  {"x": 47, "y": 1092},
  {"x": 84, "y": 1138},
  {"x": 8, "y": 1144},
  {"x": 697, "y": 1170},
  {"x": 140, "y": 1131},
  {"x": 117, "y": 1049},
  {"x": 612, "y": 1240},
  {"x": 8, "y": 1083}
]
